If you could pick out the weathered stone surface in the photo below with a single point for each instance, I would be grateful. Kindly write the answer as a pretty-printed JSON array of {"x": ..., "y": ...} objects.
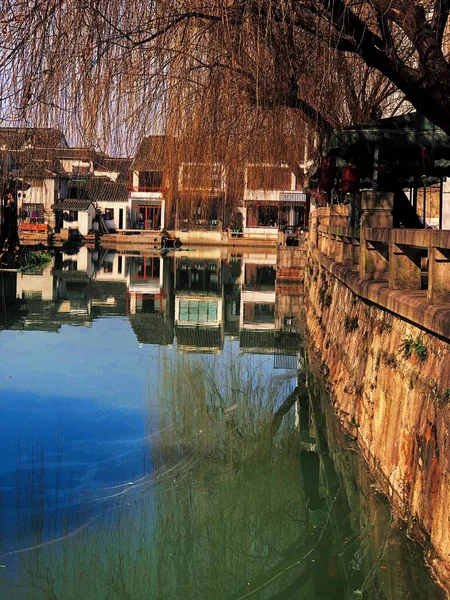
[
  {"x": 439, "y": 278},
  {"x": 404, "y": 267},
  {"x": 390, "y": 383}
]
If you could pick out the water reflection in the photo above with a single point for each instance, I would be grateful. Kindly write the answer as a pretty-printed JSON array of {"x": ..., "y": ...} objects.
[
  {"x": 191, "y": 452},
  {"x": 187, "y": 299}
]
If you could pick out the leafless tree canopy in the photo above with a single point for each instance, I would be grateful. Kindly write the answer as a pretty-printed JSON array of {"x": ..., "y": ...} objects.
[{"x": 109, "y": 70}]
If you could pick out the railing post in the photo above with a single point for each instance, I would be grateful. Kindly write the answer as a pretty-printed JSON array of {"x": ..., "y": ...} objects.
[
  {"x": 404, "y": 267},
  {"x": 323, "y": 240},
  {"x": 339, "y": 220},
  {"x": 439, "y": 275},
  {"x": 376, "y": 212},
  {"x": 356, "y": 247},
  {"x": 339, "y": 248},
  {"x": 313, "y": 225},
  {"x": 347, "y": 250}
]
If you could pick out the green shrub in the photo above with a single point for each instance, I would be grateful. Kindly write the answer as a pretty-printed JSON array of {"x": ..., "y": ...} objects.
[
  {"x": 416, "y": 345},
  {"x": 420, "y": 349},
  {"x": 407, "y": 346}
]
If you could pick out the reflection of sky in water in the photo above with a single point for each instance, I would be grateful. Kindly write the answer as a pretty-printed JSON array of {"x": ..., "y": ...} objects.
[
  {"x": 79, "y": 399},
  {"x": 83, "y": 390}
]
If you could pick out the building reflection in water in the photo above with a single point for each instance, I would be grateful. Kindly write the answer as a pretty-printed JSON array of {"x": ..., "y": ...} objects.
[{"x": 195, "y": 299}]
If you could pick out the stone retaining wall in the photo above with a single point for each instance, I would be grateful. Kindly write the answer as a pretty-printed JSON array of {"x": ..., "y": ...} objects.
[{"x": 390, "y": 383}]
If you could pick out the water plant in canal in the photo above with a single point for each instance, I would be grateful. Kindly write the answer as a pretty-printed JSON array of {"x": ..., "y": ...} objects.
[
  {"x": 222, "y": 506},
  {"x": 34, "y": 259}
]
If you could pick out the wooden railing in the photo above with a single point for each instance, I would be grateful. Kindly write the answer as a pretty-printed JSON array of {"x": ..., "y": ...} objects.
[{"x": 34, "y": 228}]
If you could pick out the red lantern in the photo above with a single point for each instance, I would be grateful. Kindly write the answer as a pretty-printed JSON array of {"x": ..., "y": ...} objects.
[
  {"x": 349, "y": 179},
  {"x": 326, "y": 180}
]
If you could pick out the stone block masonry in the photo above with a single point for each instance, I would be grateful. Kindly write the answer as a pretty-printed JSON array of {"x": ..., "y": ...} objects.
[{"x": 385, "y": 353}]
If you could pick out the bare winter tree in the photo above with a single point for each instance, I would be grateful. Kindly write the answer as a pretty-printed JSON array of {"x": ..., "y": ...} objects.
[{"x": 105, "y": 69}]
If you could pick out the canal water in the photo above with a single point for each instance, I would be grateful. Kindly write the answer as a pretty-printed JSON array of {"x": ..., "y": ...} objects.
[{"x": 164, "y": 436}]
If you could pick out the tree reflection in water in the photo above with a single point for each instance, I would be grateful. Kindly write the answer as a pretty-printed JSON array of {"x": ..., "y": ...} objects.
[{"x": 245, "y": 499}]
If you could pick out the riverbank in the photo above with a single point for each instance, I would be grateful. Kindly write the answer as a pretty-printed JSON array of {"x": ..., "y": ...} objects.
[
  {"x": 153, "y": 238},
  {"x": 390, "y": 385}
]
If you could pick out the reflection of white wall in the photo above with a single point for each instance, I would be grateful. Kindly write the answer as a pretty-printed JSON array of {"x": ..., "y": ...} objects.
[
  {"x": 144, "y": 287},
  {"x": 111, "y": 269},
  {"x": 256, "y": 297},
  {"x": 39, "y": 285},
  {"x": 83, "y": 259}
]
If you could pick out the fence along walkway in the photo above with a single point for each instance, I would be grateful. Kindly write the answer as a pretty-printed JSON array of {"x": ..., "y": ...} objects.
[{"x": 406, "y": 271}]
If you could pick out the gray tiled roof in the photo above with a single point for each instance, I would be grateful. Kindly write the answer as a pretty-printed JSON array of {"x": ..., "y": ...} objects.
[
  {"x": 151, "y": 328},
  {"x": 102, "y": 189},
  {"x": 118, "y": 165},
  {"x": 15, "y": 138},
  {"x": 70, "y": 204},
  {"x": 202, "y": 338},
  {"x": 150, "y": 154},
  {"x": 37, "y": 169}
]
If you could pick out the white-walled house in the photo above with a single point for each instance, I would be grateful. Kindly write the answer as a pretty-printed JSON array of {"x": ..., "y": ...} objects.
[
  {"x": 75, "y": 215},
  {"x": 272, "y": 199},
  {"x": 108, "y": 189},
  {"x": 43, "y": 176},
  {"x": 111, "y": 198},
  {"x": 146, "y": 191},
  {"x": 36, "y": 194},
  {"x": 201, "y": 195},
  {"x": 45, "y": 171}
]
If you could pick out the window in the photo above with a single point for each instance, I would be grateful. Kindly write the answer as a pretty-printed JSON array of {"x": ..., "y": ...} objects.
[
  {"x": 150, "y": 180},
  {"x": 259, "y": 313},
  {"x": 31, "y": 295},
  {"x": 217, "y": 177},
  {"x": 261, "y": 177},
  {"x": 80, "y": 172},
  {"x": 109, "y": 214},
  {"x": 260, "y": 275},
  {"x": 202, "y": 177},
  {"x": 263, "y": 215},
  {"x": 70, "y": 265},
  {"x": 199, "y": 312},
  {"x": 70, "y": 215},
  {"x": 142, "y": 267}
]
